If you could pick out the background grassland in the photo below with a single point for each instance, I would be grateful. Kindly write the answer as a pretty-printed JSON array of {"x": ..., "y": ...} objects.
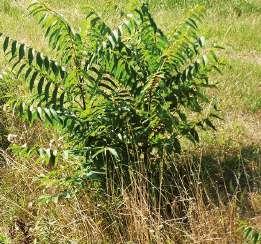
[{"x": 233, "y": 24}]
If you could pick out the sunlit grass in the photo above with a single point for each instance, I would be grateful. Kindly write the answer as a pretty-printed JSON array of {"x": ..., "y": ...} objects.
[{"x": 235, "y": 25}]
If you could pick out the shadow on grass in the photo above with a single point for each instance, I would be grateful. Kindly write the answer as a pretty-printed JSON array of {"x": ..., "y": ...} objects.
[
  {"x": 4, "y": 143},
  {"x": 217, "y": 176}
]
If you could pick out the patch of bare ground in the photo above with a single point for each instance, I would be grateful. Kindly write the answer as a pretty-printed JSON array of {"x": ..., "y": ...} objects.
[
  {"x": 249, "y": 57},
  {"x": 249, "y": 125},
  {"x": 252, "y": 124}
]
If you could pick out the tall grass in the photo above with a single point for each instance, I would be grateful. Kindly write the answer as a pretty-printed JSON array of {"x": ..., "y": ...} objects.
[
  {"x": 201, "y": 201},
  {"x": 211, "y": 190}
]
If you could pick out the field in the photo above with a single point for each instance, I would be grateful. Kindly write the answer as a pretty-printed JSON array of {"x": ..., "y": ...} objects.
[{"x": 226, "y": 164}]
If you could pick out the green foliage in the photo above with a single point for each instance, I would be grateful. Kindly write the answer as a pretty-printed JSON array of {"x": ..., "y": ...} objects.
[
  {"x": 252, "y": 235},
  {"x": 121, "y": 95},
  {"x": 3, "y": 239}
]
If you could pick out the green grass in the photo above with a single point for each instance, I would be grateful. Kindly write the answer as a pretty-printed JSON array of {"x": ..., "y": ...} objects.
[{"x": 235, "y": 24}]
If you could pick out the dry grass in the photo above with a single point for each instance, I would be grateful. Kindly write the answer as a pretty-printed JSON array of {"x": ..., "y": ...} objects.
[
  {"x": 209, "y": 190},
  {"x": 207, "y": 207}
]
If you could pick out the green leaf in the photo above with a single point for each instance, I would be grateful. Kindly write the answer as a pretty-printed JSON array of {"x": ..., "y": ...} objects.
[
  {"x": 30, "y": 55},
  {"x": 48, "y": 115},
  {"x": 21, "y": 69},
  {"x": 62, "y": 73},
  {"x": 47, "y": 90},
  {"x": 202, "y": 41},
  {"x": 21, "y": 51},
  {"x": 14, "y": 44},
  {"x": 6, "y": 42},
  {"x": 113, "y": 152},
  {"x": 194, "y": 134},
  {"x": 62, "y": 100},
  {"x": 21, "y": 108},
  {"x": 31, "y": 84},
  {"x": 205, "y": 59},
  {"x": 30, "y": 113},
  {"x": 55, "y": 68},
  {"x": 40, "y": 113},
  {"x": 209, "y": 123},
  {"x": 46, "y": 63},
  {"x": 192, "y": 23},
  {"x": 39, "y": 59},
  {"x": 54, "y": 95},
  {"x": 40, "y": 86},
  {"x": 29, "y": 70},
  {"x": 15, "y": 64}
]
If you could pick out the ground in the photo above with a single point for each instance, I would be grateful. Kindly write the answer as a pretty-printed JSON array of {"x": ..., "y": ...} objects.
[{"x": 234, "y": 25}]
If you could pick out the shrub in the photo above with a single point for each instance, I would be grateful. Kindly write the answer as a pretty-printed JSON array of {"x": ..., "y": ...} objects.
[{"x": 122, "y": 96}]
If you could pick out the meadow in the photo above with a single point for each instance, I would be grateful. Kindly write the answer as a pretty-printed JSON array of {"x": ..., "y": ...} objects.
[{"x": 217, "y": 196}]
